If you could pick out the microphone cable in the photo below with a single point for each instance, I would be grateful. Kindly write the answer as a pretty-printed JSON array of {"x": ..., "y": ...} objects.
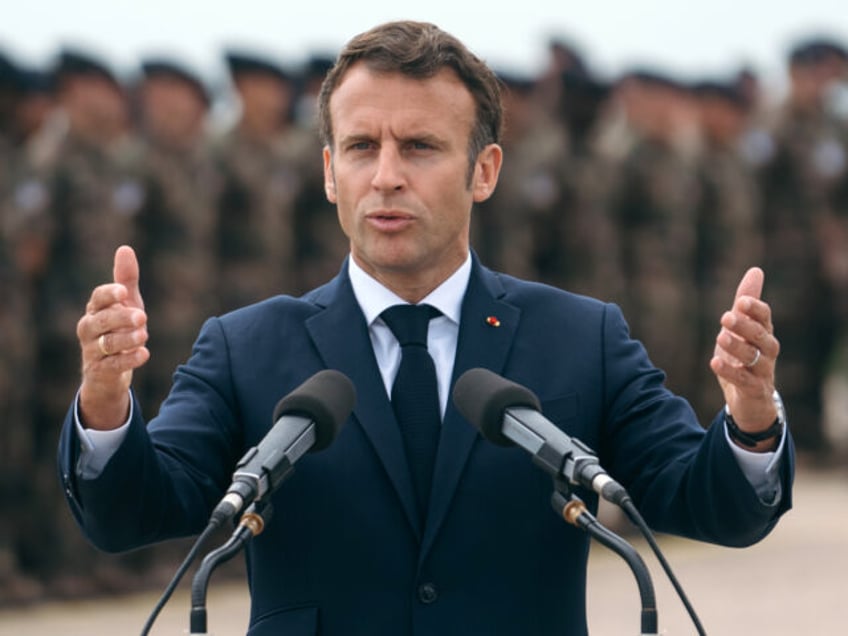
[
  {"x": 626, "y": 504},
  {"x": 213, "y": 525}
]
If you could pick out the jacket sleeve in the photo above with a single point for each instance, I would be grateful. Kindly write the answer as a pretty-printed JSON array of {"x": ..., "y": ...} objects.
[
  {"x": 684, "y": 479},
  {"x": 165, "y": 478}
]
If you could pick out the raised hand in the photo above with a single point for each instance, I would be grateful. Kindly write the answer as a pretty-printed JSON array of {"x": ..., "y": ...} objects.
[
  {"x": 113, "y": 337},
  {"x": 745, "y": 356}
]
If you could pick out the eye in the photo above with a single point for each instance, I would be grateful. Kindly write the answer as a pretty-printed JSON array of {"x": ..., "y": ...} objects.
[{"x": 419, "y": 145}]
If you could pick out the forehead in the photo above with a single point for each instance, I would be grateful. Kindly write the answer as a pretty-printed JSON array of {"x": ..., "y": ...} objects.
[{"x": 371, "y": 99}]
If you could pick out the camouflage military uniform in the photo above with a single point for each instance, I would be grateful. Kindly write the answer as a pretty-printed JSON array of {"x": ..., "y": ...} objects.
[
  {"x": 95, "y": 196},
  {"x": 261, "y": 184},
  {"x": 177, "y": 248},
  {"x": 17, "y": 349},
  {"x": 515, "y": 231},
  {"x": 321, "y": 245},
  {"x": 653, "y": 210},
  {"x": 809, "y": 162},
  {"x": 729, "y": 241}
]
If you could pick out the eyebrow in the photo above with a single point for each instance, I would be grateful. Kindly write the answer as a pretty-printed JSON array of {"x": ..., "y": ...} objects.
[{"x": 426, "y": 137}]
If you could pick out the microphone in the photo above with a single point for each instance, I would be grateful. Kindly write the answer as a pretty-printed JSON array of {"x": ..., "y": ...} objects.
[
  {"x": 509, "y": 414},
  {"x": 307, "y": 419}
]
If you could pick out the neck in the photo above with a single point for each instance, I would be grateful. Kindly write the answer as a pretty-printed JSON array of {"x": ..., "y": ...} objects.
[{"x": 412, "y": 287}]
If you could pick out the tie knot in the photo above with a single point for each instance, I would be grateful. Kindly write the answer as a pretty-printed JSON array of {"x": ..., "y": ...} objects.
[{"x": 409, "y": 323}]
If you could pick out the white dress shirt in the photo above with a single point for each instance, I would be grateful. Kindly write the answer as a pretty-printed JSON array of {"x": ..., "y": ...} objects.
[{"x": 442, "y": 333}]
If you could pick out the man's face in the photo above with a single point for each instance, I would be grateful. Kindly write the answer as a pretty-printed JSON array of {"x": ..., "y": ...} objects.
[
  {"x": 172, "y": 110},
  {"x": 398, "y": 173}
]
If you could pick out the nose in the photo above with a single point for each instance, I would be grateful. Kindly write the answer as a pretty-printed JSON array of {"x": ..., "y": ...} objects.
[{"x": 389, "y": 174}]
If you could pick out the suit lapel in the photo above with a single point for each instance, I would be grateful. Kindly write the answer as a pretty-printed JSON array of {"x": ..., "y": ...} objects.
[
  {"x": 341, "y": 337},
  {"x": 487, "y": 328}
]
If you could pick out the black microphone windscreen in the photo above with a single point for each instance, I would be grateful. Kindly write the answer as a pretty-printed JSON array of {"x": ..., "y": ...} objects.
[
  {"x": 327, "y": 398},
  {"x": 482, "y": 397}
]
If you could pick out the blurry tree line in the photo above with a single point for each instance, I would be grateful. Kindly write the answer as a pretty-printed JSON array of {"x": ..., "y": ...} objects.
[{"x": 648, "y": 190}]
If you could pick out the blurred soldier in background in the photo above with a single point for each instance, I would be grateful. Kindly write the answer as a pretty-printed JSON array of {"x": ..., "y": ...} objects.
[
  {"x": 94, "y": 196},
  {"x": 834, "y": 230},
  {"x": 583, "y": 254},
  {"x": 809, "y": 163},
  {"x": 729, "y": 220},
  {"x": 505, "y": 228},
  {"x": 260, "y": 160},
  {"x": 654, "y": 207},
  {"x": 321, "y": 245},
  {"x": 179, "y": 220},
  {"x": 16, "y": 361},
  {"x": 309, "y": 82}
]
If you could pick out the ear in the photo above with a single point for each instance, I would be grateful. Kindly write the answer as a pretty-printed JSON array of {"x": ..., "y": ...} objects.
[
  {"x": 329, "y": 177},
  {"x": 486, "y": 171}
]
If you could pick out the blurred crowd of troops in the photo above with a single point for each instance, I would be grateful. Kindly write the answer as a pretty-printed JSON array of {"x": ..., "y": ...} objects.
[{"x": 647, "y": 190}]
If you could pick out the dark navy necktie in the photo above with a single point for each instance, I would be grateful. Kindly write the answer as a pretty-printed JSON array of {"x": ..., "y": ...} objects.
[{"x": 415, "y": 395}]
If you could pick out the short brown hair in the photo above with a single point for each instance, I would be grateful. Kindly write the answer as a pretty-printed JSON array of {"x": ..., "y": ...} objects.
[{"x": 420, "y": 50}]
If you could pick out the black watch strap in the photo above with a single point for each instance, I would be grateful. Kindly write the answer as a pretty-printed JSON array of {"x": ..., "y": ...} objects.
[{"x": 752, "y": 439}]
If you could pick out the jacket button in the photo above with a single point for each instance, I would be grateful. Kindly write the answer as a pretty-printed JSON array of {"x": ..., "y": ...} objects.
[{"x": 427, "y": 593}]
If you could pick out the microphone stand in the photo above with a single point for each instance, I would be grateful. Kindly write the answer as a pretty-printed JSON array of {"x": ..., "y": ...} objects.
[
  {"x": 572, "y": 509},
  {"x": 251, "y": 524}
]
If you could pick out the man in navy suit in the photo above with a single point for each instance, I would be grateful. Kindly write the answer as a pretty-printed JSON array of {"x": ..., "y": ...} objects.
[{"x": 411, "y": 122}]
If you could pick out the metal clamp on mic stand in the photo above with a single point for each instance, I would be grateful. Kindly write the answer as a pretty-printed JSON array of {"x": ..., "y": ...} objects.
[
  {"x": 251, "y": 524},
  {"x": 572, "y": 509}
]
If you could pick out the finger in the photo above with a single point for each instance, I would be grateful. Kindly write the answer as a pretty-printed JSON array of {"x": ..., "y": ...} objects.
[
  {"x": 98, "y": 369},
  {"x": 111, "y": 343},
  {"x": 105, "y": 296},
  {"x": 742, "y": 353},
  {"x": 126, "y": 272},
  {"x": 112, "y": 318},
  {"x": 756, "y": 309},
  {"x": 751, "y": 284},
  {"x": 753, "y": 332},
  {"x": 736, "y": 375}
]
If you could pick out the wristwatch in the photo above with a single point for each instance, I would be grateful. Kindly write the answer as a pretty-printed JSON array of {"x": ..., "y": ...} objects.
[{"x": 751, "y": 439}]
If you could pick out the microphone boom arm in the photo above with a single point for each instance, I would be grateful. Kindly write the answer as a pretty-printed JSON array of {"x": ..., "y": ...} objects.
[{"x": 574, "y": 511}]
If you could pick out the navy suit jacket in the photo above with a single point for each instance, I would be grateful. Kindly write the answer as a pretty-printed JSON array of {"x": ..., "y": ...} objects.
[{"x": 343, "y": 554}]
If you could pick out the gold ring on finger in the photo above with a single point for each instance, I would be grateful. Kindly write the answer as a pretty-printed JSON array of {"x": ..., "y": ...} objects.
[{"x": 101, "y": 344}]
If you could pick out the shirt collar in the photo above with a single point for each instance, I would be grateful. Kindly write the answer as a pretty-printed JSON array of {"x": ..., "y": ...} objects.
[{"x": 373, "y": 297}]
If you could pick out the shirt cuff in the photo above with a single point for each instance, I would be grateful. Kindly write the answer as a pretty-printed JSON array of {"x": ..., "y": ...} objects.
[
  {"x": 761, "y": 469},
  {"x": 97, "y": 447}
]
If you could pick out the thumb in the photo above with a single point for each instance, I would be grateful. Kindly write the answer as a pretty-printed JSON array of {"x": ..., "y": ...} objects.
[
  {"x": 125, "y": 272},
  {"x": 751, "y": 283}
]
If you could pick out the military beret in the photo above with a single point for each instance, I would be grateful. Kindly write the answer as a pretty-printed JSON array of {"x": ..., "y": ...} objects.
[
  {"x": 584, "y": 85},
  {"x": 34, "y": 81},
  {"x": 72, "y": 62},
  {"x": 654, "y": 77},
  {"x": 729, "y": 92},
  {"x": 318, "y": 65},
  {"x": 163, "y": 67},
  {"x": 814, "y": 50},
  {"x": 240, "y": 63}
]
